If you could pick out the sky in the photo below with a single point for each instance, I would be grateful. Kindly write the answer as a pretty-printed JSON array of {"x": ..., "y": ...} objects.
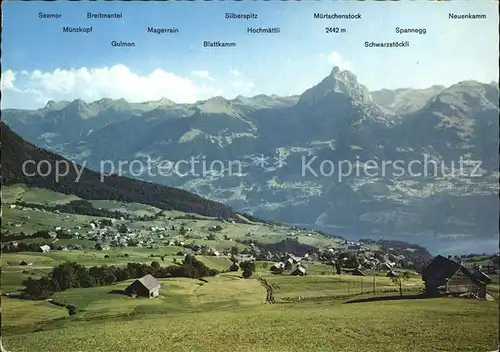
[{"x": 41, "y": 63}]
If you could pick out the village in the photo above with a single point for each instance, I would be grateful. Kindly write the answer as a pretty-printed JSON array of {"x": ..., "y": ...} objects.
[{"x": 442, "y": 275}]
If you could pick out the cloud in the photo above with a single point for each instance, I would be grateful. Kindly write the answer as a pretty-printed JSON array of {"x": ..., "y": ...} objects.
[
  {"x": 242, "y": 84},
  {"x": 31, "y": 89},
  {"x": 203, "y": 74},
  {"x": 235, "y": 73},
  {"x": 8, "y": 79},
  {"x": 335, "y": 59}
]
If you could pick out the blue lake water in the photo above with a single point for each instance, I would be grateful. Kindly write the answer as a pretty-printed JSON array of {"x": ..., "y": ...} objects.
[{"x": 435, "y": 244}]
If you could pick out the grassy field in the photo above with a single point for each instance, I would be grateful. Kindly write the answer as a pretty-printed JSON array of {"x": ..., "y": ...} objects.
[{"x": 228, "y": 313}]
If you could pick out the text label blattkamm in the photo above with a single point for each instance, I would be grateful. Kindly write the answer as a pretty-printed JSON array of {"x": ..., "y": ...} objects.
[{"x": 218, "y": 44}]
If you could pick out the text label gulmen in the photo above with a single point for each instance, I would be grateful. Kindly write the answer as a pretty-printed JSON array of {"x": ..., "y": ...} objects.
[{"x": 120, "y": 43}]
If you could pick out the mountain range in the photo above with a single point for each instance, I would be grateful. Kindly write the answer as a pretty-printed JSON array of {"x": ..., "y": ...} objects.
[{"x": 336, "y": 122}]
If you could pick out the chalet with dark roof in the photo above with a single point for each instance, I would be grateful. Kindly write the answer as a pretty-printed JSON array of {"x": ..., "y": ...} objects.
[
  {"x": 146, "y": 286},
  {"x": 299, "y": 271},
  {"x": 443, "y": 275}
]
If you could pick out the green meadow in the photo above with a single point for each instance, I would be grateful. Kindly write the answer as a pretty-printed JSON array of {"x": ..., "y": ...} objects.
[
  {"x": 318, "y": 312},
  {"x": 228, "y": 313}
]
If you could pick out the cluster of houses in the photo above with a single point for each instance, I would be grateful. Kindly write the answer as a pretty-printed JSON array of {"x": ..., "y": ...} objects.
[
  {"x": 291, "y": 264},
  {"x": 366, "y": 260},
  {"x": 442, "y": 276}
]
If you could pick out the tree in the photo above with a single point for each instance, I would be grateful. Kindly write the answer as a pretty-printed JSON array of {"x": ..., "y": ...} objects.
[
  {"x": 248, "y": 269},
  {"x": 72, "y": 310},
  {"x": 155, "y": 266},
  {"x": 378, "y": 255},
  {"x": 105, "y": 222},
  {"x": 234, "y": 250},
  {"x": 182, "y": 231},
  {"x": 211, "y": 237},
  {"x": 399, "y": 279},
  {"x": 38, "y": 289},
  {"x": 338, "y": 267}
]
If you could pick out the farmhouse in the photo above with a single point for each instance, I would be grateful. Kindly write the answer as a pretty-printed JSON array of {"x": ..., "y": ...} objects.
[
  {"x": 277, "y": 267},
  {"x": 45, "y": 248},
  {"x": 24, "y": 262},
  {"x": 444, "y": 274},
  {"x": 298, "y": 271},
  {"x": 146, "y": 286}
]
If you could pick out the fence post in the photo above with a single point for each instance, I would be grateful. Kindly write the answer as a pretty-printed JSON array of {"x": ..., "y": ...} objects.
[
  {"x": 348, "y": 286},
  {"x": 361, "y": 284},
  {"x": 374, "y": 288}
]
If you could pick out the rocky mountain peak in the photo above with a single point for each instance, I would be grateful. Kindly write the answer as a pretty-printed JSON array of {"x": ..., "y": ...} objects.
[
  {"x": 50, "y": 104},
  {"x": 216, "y": 101},
  {"x": 55, "y": 105},
  {"x": 166, "y": 101},
  {"x": 337, "y": 83},
  {"x": 78, "y": 104}
]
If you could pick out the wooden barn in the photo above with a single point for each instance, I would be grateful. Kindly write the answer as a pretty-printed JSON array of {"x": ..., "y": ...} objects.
[
  {"x": 445, "y": 276},
  {"x": 146, "y": 286}
]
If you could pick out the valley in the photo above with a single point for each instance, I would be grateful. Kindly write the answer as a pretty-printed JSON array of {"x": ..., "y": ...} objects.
[{"x": 336, "y": 156}]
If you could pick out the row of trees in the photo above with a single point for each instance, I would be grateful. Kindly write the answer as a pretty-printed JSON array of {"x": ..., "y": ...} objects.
[
  {"x": 73, "y": 275},
  {"x": 44, "y": 234},
  {"x": 79, "y": 206}
]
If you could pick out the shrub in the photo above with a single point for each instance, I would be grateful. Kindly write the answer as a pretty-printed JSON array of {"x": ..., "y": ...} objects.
[{"x": 72, "y": 310}]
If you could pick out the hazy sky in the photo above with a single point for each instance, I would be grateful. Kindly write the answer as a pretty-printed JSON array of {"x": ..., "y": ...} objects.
[{"x": 40, "y": 62}]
